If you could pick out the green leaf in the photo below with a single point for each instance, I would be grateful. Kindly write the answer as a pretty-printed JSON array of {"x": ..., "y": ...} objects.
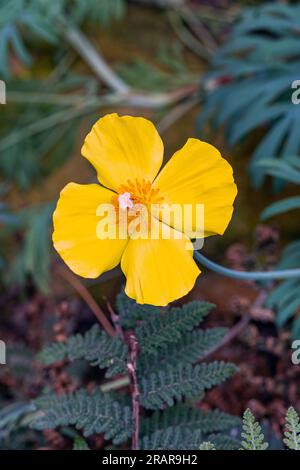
[
  {"x": 190, "y": 348},
  {"x": 292, "y": 432},
  {"x": 172, "y": 438},
  {"x": 161, "y": 330},
  {"x": 223, "y": 442},
  {"x": 205, "y": 445},
  {"x": 93, "y": 413},
  {"x": 196, "y": 419},
  {"x": 95, "y": 346},
  {"x": 260, "y": 64},
  {"x": 130, "y": 312},
  {"x": 281, "y": 207},
  {"x": 252, "y": 434},
  {"x": 287, "y": 312},
  {"x": 80, "y": 444},
  {"x": 164, "y": 387}
]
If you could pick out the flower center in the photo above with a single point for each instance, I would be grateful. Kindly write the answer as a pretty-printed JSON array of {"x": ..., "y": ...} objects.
[
  {"x": 125, "y": 201},
  {"x": 136, "y": 192}
]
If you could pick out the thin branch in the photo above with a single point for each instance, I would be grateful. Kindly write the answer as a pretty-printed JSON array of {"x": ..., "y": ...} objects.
[
  {"x": 94, "y": 58},
  {"x": 159, "y": 100},
  {"x": 236, "y": 329},
  {"x": 131, "y": 367},
  {"x": 32, "y": 97},
  {"x": 116, "y": 384},
  {"x": 186, "y": 37},
  {"x": 116, "y": 320},
  {"x": 46, "y": 123},
  {"x": 199, "y": 28},
  {"x": 84, "y": 103},
  {"x": 232, "y": 333},
  {"x": 88, "y": 298},
  {"x": 177, "y": 112},
  {"x": 123, "y": 92},
  {"x": 132, "y": 342}
]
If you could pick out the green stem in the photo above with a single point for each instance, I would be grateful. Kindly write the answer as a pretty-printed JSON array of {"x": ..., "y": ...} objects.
[{"x": 244, "y": 275}]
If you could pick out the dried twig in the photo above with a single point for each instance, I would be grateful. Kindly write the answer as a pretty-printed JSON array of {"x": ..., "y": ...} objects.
[
  {"x": 123, "y": 93},
  {"x": 116, "y": 384},
  {"x": 236, "y": 329},
  {"x": 186, "y": 37},
  {"x": 115, "y": 320},
  {"x": 94, "y": 58},
  {"x": 199, "y": 29},
  {"x": 131, "y": 367},
  {"x": 177, "y": 112},
  {"x": 89, "y": 299}
]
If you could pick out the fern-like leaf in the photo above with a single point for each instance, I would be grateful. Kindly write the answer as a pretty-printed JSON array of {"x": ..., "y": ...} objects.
[
  {"x": 205, "y": 445},
  {"x": 252, "y": 433},
  {"x": 188, "y": 350},
  {"x": 94, "y": 346},
  {"x": 130, "y": 312},
  {"x": 223, "y": 442},
  {"x": 161, "y": 330},
  {"x": 172, "y": 438},
  {"x": 188, "y": 417},
  {"x": 164, "y": 387},
  {"x": 93, "y": 413},
  {"x": 292, "y": 431}
]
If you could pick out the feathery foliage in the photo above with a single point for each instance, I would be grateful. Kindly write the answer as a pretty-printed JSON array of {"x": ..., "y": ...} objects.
[
  {"x": 172, "y": 438},
  {"x": 183, "y": 415},
  {"x": 252, "y": 434},
  {"x": 167, "y": 381},
  {"x": 33, "y": 259},
  {"x": 249, "y": 86},
  {"x": 205, "y": 445},
  {"x": 42, "y": 116},
  {"x": 26, "y": 19},
  {"x": 130, "y": 312},
  {"x": 93, "y": 413},
  {"x": 169, "y": 327},
  {"x": 164, "y": 387},
  {"x": 95, "y": 346},
  {"x": 284, "y": 298},
  {"x": 192, "y": 347},
  {"x": 292, "y": 431},
  {"x": 223, "y": 442}
]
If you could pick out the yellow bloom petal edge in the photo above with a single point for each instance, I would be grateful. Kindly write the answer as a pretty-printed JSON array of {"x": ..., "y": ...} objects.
[
  {"x": 197, "y": 174},
  {"x": 74, "y": 236},
  {"x": 127, "y": 153},
  {"x": 159, "y": 271},
  {"x": 123, "y": 147}
]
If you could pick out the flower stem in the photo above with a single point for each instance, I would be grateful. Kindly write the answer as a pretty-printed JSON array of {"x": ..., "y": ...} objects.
[
  {"x": 131, "y": 367},
  {"x": 88, "y": 298},
  {"x": 246, "y": 275}
]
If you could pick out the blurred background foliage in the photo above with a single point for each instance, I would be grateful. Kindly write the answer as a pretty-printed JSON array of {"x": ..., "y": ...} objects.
[
  {"x": 244, "y": 59},
  {"x": 218, "y": 70},
  {"x": 256, "y": 68}
]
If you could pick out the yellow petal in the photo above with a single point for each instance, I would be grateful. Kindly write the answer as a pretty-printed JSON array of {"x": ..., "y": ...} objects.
[
  {"x": 122, "y": 148},
  {"x": 159, "y": 271},
  {"x": 197, "y": 174},
  {"x": 75, "y": 231}
]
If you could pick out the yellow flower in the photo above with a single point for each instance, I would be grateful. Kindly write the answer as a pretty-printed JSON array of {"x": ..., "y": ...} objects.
[{"x": 127, "y": 153}]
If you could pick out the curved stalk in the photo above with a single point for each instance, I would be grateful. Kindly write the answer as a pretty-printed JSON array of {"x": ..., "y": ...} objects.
[{"x": 246, "y": 275}]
